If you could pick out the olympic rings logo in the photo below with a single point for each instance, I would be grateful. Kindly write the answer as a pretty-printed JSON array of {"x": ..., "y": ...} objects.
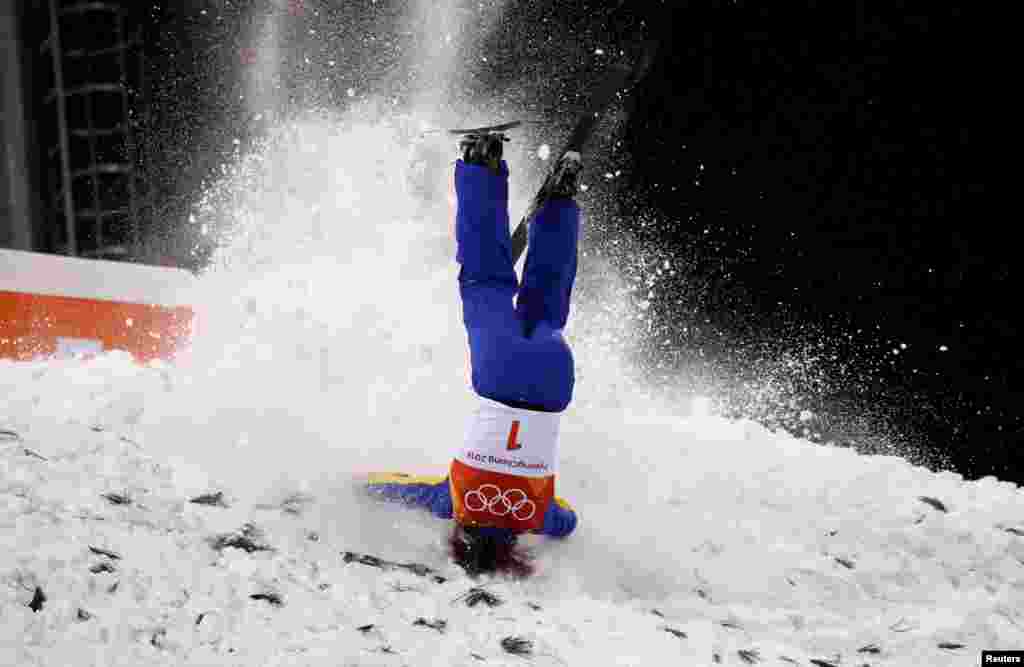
[{"x": 492, "y": 499}]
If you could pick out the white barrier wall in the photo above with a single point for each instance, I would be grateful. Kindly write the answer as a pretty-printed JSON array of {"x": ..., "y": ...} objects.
[{"x": 55, "y": 305}]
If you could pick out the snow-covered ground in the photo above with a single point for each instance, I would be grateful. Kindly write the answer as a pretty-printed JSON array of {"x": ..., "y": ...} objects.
[
  {"x": 698, "y": 536},
  {"x": 329, "y": 344}
]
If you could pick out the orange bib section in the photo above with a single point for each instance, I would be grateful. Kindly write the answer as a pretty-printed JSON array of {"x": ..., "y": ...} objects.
[{"x": 492, "y": 499}]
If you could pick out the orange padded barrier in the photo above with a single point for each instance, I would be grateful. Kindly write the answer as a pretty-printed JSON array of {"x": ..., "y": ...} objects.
[{"x": 59, "y": 306}]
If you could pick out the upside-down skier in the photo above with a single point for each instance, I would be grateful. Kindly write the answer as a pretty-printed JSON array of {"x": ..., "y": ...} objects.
[{"x": 501, "y": 481}]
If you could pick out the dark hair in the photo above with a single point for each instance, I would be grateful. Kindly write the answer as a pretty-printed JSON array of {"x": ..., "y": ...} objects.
[{"x": 488, "y": 551}]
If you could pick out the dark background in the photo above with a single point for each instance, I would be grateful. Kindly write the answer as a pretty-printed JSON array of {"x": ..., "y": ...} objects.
[
  {"x": 820, "y": 174},
  {"x": 848, "y": 154},
  {"x": 823, "y": 177}
]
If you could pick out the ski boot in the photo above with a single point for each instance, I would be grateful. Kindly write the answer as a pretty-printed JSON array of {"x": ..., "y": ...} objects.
[
  {"x": 484, "y": 149},
  {"x": 563, "y": 181}
]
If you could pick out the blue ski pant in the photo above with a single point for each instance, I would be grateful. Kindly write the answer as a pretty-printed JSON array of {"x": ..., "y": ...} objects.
[{"x": 517, "y": 352}]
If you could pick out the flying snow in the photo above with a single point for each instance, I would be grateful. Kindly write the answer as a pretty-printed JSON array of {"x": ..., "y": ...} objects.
[{"x": 198, "y": 513}]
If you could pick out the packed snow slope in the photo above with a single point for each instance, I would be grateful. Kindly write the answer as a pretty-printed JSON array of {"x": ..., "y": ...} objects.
[{"x": 197, "y": 514}]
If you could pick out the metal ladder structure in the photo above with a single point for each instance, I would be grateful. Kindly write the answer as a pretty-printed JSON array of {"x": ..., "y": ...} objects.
[
  {"x": 17, "y": 206},
  {"x": 91, "y": 68}
]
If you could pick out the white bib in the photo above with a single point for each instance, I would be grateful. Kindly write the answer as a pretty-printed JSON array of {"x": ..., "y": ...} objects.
[{"x": 511, "y": 441}]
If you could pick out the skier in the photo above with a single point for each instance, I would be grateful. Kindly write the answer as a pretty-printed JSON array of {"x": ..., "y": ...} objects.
[{"x": 501, "y": 482}]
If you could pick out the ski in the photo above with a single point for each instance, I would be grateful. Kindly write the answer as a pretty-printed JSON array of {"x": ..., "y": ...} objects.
[
  {"x": 487, "y": 129},
  {"x": 617, "y": 79}
]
